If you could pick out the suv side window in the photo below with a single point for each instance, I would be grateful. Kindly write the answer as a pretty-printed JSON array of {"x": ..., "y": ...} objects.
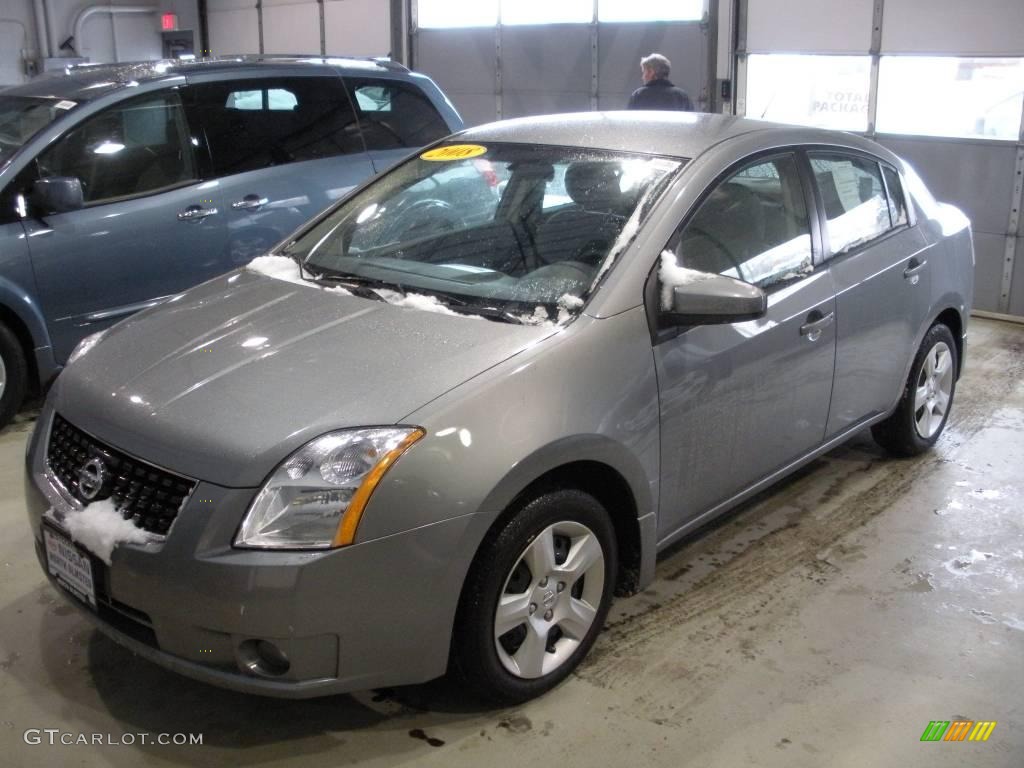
[
  {"x": 136, "y": 147},
  {"x": 394, "y": 114},
  {"x": 753, "y": 226},
  {"x": 897, "y": 201},
  {"x": 257, "y": 123},
  {"x": 853, "y": 195}
]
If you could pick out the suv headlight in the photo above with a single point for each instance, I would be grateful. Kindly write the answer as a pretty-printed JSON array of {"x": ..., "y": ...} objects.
[{"x": 316, "y": 497}]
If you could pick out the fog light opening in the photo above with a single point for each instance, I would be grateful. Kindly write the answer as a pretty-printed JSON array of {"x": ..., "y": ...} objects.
[{"x": 263, "y": 658}]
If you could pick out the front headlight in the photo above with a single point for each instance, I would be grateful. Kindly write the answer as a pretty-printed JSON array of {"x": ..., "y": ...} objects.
[
  {"x": 316, "y": 497},
  {"x": 85, "y": 345}
]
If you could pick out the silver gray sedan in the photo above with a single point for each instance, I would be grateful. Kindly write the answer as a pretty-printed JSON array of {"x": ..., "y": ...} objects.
[{"x": 443, "y": 424}]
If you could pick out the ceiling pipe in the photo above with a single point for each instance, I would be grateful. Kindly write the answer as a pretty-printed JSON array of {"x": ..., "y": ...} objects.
[
  {"x": 85, "y": 13},
  {"x": 42, "y": 29}
]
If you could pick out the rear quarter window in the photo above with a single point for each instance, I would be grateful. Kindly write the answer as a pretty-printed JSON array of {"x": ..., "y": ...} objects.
[{"x": 395, "y": 114}]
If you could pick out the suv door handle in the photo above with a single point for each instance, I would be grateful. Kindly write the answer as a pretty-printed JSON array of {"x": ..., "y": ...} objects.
[
  {"x": 195, "y": 212},
  {"x": 816, "y": 323},
  {"x": 249, "y": 203},
  {"x": 913, "y": 270}
]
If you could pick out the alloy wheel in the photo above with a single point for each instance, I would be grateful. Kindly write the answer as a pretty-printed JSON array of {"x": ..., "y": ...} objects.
[{"x": 934, "y": 390}]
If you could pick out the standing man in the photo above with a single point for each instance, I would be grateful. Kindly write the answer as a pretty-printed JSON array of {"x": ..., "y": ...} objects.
[{"x": 657, "y": 92}]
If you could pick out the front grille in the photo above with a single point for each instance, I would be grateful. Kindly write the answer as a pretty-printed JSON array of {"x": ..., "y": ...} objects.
[{"x": 147, "y": 495}]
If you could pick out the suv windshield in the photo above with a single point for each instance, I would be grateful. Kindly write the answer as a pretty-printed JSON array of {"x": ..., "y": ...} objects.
[
  {"x": 22, "y": 117},
  {"x": 522, "y": 229}
]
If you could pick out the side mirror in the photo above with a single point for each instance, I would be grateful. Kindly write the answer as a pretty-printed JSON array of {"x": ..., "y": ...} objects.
[
  {"x": 715, "y": 299},
  {"x": 57, "y": 194}
]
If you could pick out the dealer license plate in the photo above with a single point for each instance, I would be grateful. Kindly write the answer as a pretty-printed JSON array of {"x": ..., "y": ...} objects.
[{"x": 69, "y": 566}]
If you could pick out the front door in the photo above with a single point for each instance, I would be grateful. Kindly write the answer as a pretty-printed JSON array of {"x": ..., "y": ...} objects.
[
  {"x": 742, "y": 400},
  {"x": 148, "y": 229}
]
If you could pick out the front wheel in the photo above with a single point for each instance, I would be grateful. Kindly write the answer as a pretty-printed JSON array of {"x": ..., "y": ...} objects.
[
  {"x": 924, "y": 408},
  {"x": 13, "y": 375},
  {"x": 536, "y": 597}
]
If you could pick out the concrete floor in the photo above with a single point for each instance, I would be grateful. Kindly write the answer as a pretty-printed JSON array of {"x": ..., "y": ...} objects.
[{"x": 824, "y": 624}]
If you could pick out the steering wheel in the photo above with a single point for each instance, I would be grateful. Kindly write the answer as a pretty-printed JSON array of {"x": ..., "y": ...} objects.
[{"x": 424, "y": 218}]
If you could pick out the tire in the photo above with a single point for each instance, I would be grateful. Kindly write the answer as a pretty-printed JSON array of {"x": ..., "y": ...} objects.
[
  {"x": 927, "y": 398},
  {"x": 13, "y": 375},
  {"x": 560, "y": 613}
]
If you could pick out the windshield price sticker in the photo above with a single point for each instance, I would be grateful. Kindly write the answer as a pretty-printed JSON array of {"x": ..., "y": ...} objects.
[{"x": 453, "y": 152}]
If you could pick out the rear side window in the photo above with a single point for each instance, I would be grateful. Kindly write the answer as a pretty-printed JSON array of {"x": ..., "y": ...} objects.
[
  {"x": 853, "y": 195},
  {"x": 257, "y": 123},
  {"x": 133, "y": 148},
  {"x": 897, "y": 201},
  {"x": 753, "y": 226},
  {"x": 395, "y": 114}
]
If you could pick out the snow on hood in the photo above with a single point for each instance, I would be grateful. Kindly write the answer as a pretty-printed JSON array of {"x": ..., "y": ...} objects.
[
  {"x": 671, "y": 274},
  {"x": 567, "y": 303},
  {"x": 419, "y": 301},
  {"x": 283, "y": 268},
  {"x": 99, "y": 528}
]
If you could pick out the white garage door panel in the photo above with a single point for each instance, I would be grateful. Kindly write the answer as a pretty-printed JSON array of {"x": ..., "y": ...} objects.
[
  {"x": 235, "y": 30},
  {"x": 525, "y": 103},
  {"x": 980, "y": 26},
  {"x": 475, "y": 108},
  {"x": 989, "y": 252},
  {"x": 547, "y": 58},
  {"x": 291, "y": 28},
  {"x": 12, "y": 40},
  {"x": 816, "y": 26},
  {"x": 1017, "y": 286},
  {"x": 971, "y": 176},
  {"x": 621, "y": 45},
  {"x": 138, "y": 36},
  {"x": 358, "y": 27}
]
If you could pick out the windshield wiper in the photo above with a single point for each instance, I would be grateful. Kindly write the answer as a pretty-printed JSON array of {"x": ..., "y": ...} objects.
[{"x": 358, "y": 284}]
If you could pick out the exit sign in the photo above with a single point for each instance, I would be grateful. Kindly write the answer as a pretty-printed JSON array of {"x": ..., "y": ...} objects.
[{"x": 169, "y": 22}]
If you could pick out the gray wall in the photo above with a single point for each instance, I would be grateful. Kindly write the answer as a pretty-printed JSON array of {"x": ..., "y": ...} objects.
[{"x": 514, "y": 71}]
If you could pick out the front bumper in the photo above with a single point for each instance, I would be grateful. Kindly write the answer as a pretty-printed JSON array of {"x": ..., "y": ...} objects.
[{"x": 375, "y": 614}]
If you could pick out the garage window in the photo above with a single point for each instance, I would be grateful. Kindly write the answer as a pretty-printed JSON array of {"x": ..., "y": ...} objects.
[
  {"x": 486, "y": 13},
  {"x": 951, "y": 96},
  {"x": 853, "y": 195},
  {"x": 133, "y": 148},
  {"x": 820, "y": 91},
  {"x": 650, "y": 10},
  {"x": 457, "y": 13}
]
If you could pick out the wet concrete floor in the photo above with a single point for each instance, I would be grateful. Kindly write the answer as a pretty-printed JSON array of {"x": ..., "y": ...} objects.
[{"x": 823, "y": 624}]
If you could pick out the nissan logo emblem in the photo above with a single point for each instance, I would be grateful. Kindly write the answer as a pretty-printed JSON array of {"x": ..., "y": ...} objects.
[{"x": 91, "y": 478}]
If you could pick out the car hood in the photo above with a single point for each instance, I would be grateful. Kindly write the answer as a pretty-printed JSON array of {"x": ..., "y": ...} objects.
[{"x": 224, "y": 381}]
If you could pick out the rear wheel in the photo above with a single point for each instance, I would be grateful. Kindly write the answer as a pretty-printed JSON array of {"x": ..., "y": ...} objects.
[
  {"x": 536, "y": 597},
  {"x": 923, "y": 409},
  {"x": 13, "y": 375}
]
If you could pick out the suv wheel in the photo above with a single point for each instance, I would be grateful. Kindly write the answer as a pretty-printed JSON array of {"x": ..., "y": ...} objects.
[
  {"x": 536, "y": 597},
  {"x": 13, "y": 375},
  {"x": 923, "y": 409}
]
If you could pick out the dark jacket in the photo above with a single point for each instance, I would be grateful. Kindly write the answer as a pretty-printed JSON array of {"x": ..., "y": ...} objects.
[{"x": 660, "y": 94}]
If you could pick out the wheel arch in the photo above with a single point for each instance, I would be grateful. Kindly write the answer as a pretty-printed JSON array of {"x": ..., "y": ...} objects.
[{"x": 19, "y": 313}]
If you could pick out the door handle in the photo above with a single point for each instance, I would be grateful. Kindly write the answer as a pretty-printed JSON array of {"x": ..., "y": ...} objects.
[
  {"x": 913, "y": 270},
  {"x": 249, "y": 203},
  {"x": 815, "y": 324},
  {"x": 195, "y": 212}
]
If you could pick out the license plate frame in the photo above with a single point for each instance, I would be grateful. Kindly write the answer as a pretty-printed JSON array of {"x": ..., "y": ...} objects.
[{"x": 70, "y": 565}]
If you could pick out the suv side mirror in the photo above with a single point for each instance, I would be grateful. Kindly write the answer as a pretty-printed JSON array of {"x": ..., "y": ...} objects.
[
  {"x": 715, "y": 299},
  {"x": 57, "y": 194}
]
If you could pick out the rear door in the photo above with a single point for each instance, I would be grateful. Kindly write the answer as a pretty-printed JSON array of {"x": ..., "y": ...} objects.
[
  {"x": 280, "y": 148},
  {"x": 879, "y": 264},
  {"x": 148, "y": 229},
  {"x": 741, "y": 401}
]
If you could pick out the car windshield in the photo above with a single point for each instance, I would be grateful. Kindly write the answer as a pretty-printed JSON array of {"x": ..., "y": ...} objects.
[
  {"x": 22, "y": 117},
  {"x": 523, "y": 230}
]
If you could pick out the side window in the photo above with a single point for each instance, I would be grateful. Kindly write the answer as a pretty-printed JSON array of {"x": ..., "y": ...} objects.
[
  {"x": 897, "y": 202},
  {"x": 136, "y": 147},
  {"x": 854, "y": 199},
  {"x": 250, "y": 124},
  {"x": 753, "y": 227},
  {"x": 394, "y": 114}
]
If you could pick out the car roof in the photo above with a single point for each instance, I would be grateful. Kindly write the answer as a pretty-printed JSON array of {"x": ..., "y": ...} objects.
[
  {"x": 84, "y": 82},
  {"x": 674, "y": 134}
]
